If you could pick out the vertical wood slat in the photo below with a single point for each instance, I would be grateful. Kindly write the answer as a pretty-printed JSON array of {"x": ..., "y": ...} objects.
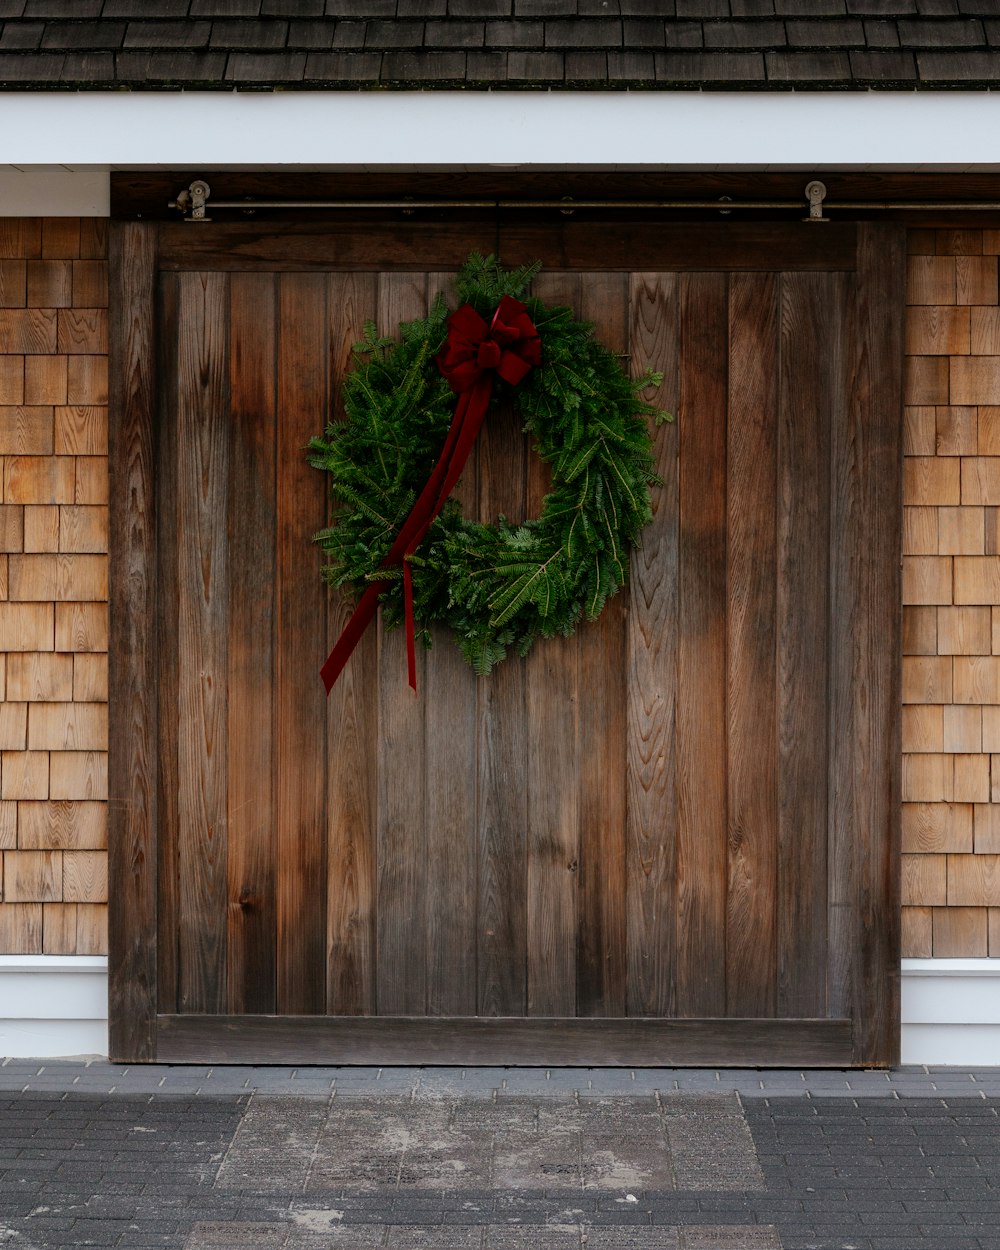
[
  {"x": 450, "y": 694},
  {"x": 352, "y": 721},
  {"x": 202, "y": 577},
  {"x": 553, "y": 859},
  {"x": 132, "y": 690},
  {"x": 167, "y": 659},
  {"x": 811, "y": 402},
  {"x": 652, "y": 674},
  {"x": 502, "y": 759},
  {"x": 877, "y": 418},
  {"x": 602, "y": 657},
  {"x": 450, "y": 697},
  {"x": 300, "y": 735},
  {"x": 402, "y": 817},
  {"x": 752, "y": 750},
  {"x": 846, "y": 516},
  {"x": 252, "y": 511},
  {"x": 450, "y": 725},
  {"x": 701, "y": 667}
]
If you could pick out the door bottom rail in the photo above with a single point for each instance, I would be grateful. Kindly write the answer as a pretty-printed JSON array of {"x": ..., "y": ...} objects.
[{"x": 504, "y": 1040}]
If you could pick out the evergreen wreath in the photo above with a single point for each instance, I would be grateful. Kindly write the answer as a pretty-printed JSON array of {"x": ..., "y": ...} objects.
[{"x": 497, "y": 586}]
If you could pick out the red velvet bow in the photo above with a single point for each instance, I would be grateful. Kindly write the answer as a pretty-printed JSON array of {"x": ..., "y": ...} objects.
[{"x": 509, "y": 347}]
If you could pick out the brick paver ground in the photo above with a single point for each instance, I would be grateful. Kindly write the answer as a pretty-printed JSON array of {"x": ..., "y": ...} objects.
[{"x": 92, "y": 1154}]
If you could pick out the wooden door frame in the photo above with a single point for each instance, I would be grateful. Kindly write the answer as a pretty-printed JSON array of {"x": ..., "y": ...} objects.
[{"x": 865, "y": 762}]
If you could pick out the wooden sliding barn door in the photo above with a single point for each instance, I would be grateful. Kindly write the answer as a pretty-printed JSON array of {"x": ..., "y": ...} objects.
[{"x": 669, "y": 839}]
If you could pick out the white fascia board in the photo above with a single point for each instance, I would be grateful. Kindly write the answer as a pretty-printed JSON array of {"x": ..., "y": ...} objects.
[{"x": 949, "y": 131}]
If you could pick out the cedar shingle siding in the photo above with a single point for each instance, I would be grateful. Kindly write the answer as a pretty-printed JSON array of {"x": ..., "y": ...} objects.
[
  {"x": 53, "y": 586},
  {"x": 329, "y": 44}
]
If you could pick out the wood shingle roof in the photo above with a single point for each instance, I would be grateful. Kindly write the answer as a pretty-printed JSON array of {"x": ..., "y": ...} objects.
[{"x": 540, "y": 44}]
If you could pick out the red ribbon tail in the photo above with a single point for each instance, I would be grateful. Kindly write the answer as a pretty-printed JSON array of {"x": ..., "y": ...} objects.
[
  {"x": 411, "y": 633},
  {"x": 466, "y": 330},
  {"x": 361, "y": 618}
]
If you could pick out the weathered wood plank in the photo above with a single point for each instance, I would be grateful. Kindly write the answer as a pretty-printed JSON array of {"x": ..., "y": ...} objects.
[
  {"x": 877, "y": 404},
  {"x": 167, "y": 656},
  {"x": 202, "y": 642},
  {"x": 353, "y": 242},
  {"x": 402, "y": 803},
  {"x": 502, "y": 759},
  {"x": 603, "y": 675},
  {"x": 752, "y": 755},
  {"x": 553, "y": 726},
  {"x": 451, "y": 701},
  {"x": 845, "y": 520},
  {"x": 652, "y": 673},
  {"x": 301, "y": 631},
  {"x": 133, "y": 750},
  {"x": 810, "y": 400},
  {"x": 352, "y": 729},
  {"x": 252, "y": 510},
  {"x": 496, "y": 1041},
  {"x": 701, "y": 678},
  {"x": 451, "y": 705}
]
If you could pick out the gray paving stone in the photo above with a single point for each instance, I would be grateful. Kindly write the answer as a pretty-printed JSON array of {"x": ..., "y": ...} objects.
[
  {"x": 450, "y": 1237},
  {"x": 215, "y": 1236},
  {"x": 513, "y": 1238},
  {"x": 730, "y": 1237},
  {"x": 710, "y": 1143},
  {"x": 274, "y": 1145},
  {"x": 605, "y": 1238}
]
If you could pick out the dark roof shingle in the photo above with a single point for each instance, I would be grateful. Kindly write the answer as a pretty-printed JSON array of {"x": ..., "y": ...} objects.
[{"x": 331, "y": 44}]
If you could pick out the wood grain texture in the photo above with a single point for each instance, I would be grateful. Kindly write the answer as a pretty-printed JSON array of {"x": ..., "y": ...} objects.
[
  {"x": 554, "y": 773},
  {"x": 352, "y": 242},
  {"x": 865, "y": 692},
  {"x": 701, "y": 667},
  {"x": 401, "y": 976},
  {"x": 167, "y": 657},
  {"x": 751, "y": 490},
  {"x": 846, "y": 512},
  {"x": 502, "y": 760},
  {"x": 877, "y": 416},
  {"x": 812, "y": 394},
  {"x": 301, "y": 748},
  {"x": 496, "y": 1041},
  {"x": 133, "y": 741},
  {"x": 251, "y": 670},
  {"x": 202, "y": 639},
  {"x": 602, "y": 721},
  {"x": 450, "y": 727},
  {"x": 451, "y": 704},
  {"x": 652, "y": 674},
  {"x": 352, "y": 729}
]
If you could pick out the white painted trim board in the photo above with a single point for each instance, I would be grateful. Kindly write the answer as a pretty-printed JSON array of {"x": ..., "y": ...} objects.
[
  {"x": 808, "y": 130},
  {"x": 951, "y": 1012},
  {"x": 53, "y": 1006}
]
